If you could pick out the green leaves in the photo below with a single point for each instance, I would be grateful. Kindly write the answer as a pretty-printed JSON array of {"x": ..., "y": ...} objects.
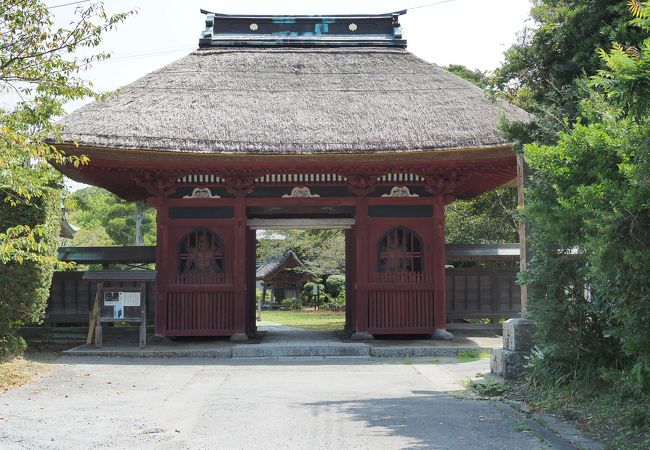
[
  {"x": 542, "y": 72},
  {"x": 41, "y": 66},
  {"x": 322, "y": 251},
  {"x": 104, "y": 219},
  {"x": 486, "y": 219},
  {"x": 588, "y": 209}
]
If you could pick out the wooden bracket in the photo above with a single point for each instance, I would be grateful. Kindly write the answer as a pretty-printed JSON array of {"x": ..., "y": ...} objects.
[
  {"x": 362, "y": 184},
  {"x": 239, "y": 185},
  {"x": 156, "y": 186},
  {"x": 445, "y": 183}
]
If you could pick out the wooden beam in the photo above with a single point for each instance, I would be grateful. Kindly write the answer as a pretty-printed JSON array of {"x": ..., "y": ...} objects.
[{"x": 298, "y": 224}]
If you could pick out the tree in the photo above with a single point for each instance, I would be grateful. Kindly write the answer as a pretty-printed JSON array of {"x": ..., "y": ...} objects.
[
  {"x": 489, "y": 217},
  {"x": 105, "y": 219},
  {"x": 486, "y": 219},
  {"x": 588, "y": 206},
  {"x": 475, "y": 76},
  {"x": 39, "y": 65},
  {"x": 541, "y": 72},
  {"x": 322, "y": 251}
]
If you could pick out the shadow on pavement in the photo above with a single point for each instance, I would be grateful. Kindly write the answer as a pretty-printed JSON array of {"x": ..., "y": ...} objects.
[{"x": 434, "y": 420}]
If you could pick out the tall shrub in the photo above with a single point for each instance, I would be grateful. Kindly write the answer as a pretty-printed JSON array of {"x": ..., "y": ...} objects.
[
  {"x": 589, "y": 207},
  {"x": 24, "y": 288}
]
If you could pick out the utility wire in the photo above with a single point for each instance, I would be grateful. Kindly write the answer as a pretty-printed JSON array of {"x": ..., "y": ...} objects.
[
  {"x": 426, "y": 5},
  {"x": 174, "y": 50},
  {"x": 164, "y": 51},
  {"x": 69, "y": 4}
]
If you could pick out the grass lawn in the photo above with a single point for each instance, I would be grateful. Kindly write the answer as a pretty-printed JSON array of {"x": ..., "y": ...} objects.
[
  {"x": 473, "y": 355},
  {"x": 15, "y": 372},
  {"x": 308, "y": 319}
]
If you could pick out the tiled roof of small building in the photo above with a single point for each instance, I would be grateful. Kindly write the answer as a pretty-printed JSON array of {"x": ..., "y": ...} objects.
[{"x": 277, "y": 263}]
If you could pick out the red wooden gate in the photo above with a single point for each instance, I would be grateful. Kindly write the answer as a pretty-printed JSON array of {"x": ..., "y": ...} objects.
[
  {"x": 400, "y": 278},
  {"x": 197, "y": 286}
]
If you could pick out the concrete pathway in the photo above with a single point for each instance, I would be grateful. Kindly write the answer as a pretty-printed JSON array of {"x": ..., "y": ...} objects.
[
  {"x": 275, "y": 333},
  {"x": 182, "y": 403}
]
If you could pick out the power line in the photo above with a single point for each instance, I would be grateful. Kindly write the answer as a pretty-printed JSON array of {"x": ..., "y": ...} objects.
[
  {"x": 426, "y": 5},
  {"x": 147, "y": 54},
  {"x": 69, "y": 4},
  {"x": 174, "y": 50}
]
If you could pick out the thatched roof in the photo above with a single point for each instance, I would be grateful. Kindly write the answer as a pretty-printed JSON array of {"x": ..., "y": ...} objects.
[{"x": 293, "y": 101}]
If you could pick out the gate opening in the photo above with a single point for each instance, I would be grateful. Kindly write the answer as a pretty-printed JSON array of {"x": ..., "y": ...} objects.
[{"x": 303, "y": 277}]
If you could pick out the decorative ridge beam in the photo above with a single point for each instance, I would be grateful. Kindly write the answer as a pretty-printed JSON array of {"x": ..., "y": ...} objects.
[{"x": 357, "y": 30}]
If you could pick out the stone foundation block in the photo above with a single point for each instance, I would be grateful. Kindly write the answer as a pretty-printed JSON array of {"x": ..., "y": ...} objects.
[
  {"x": 442, "y": 335},
  {"x": 239, "y": 337},
  {"x": 518, "y": 335},
  {"x": 507, "y": 363},
  {"x": 362, "y": 336}
]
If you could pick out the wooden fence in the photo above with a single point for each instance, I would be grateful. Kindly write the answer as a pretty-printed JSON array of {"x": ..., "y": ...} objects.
[
  {"x": 482, "y": 293},
  {"x": 71, "y": 299},
  {"x": 471, "y": 293}
]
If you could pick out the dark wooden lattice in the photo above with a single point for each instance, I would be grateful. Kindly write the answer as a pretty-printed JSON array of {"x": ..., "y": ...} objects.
[{"x": 399, "y": 250}]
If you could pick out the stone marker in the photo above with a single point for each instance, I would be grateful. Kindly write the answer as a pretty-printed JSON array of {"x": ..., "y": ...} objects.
[{"x": 509, "y": 361}]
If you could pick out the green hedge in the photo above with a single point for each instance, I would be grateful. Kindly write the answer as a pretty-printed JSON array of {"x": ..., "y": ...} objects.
[
  {"x": 335, "y": 284},
  {"x": 24, "y": 288}
]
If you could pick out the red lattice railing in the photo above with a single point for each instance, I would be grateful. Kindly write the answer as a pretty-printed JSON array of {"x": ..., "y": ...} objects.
[
  {"x": 195, "y": 313},
  {"x": 398, "y": 311},
  {"x": 200, "y": 279}
]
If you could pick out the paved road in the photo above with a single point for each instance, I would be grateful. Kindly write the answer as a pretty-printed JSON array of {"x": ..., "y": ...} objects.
[{"x": 304, "y": 404}]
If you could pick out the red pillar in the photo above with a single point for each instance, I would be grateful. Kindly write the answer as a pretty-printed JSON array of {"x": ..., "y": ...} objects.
[
  {"x": 162, "y": 251},
  {"x": 439, "y": 301},
  {"x": 350, "y": 279},
  {"x": 251, "y": 241},
  {"x": 361, "y": 270},
  {"x": 239, "y": 268}
]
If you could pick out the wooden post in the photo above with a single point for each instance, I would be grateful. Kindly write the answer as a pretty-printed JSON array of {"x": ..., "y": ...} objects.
[
  {"x": 98, "y": 334},
  {"x": 439, "y": 294},
  {"x": 361, "y": 272},
  {"x": 272, "y": 296},
  {"x": 239, "y": 265},
  {"x": 143, "y": 314},
  {"x": 523, "y": 251},
  {"x": 251, "y": 288},
  {"x": 95, "y": 313},
  {"x": 162, "y": 255},
  {"x": 350, "y": 279},
  {"x": 261, "y": 302}
]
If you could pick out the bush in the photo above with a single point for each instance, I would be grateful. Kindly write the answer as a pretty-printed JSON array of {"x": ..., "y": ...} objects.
[
  {"x": 25, "y": 288},
  {"x": 308, "y": 288},
  {"x": 335, "y": 284},
  {"x": 291, "y": 304},
  {"x": 337, "y": 303}
]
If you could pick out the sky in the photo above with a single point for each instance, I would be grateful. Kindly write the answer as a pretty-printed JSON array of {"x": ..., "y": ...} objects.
[
  {"x": 470, "y": 32},
  {"x": 474, "y": 33}
]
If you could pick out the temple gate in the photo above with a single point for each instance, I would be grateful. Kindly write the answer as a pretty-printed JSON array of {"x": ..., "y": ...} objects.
[{"x": 328, "y": 121}]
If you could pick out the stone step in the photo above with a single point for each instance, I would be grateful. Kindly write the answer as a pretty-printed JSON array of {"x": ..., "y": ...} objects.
[
  {"x": 135, "y": 352},
  {"x": 299, "y": 350},
  {"x": 396, "y": 351}
]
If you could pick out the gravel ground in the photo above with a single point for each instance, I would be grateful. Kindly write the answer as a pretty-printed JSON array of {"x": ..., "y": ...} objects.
[{"x": 187, "y": 403}]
